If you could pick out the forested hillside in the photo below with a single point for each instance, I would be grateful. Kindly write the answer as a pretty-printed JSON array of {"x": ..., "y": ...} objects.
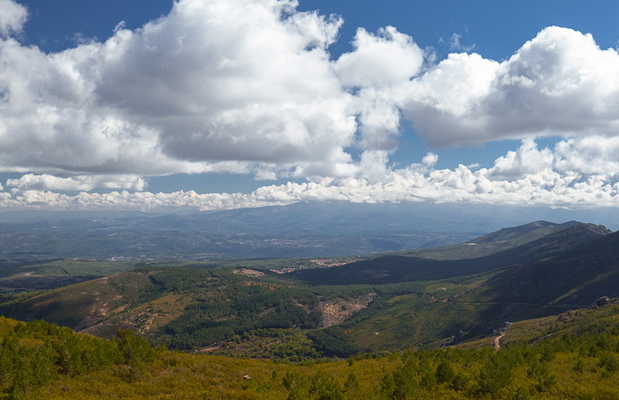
[
  {"x": 37, "y": 353},
  {"x": 579, "y": 360}
]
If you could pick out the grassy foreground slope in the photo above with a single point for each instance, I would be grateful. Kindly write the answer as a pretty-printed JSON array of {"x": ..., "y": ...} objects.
[{"x": 42, "y": 361}]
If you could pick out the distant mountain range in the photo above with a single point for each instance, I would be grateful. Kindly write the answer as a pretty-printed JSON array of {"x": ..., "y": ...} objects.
[{"x": 298, "y": 230}]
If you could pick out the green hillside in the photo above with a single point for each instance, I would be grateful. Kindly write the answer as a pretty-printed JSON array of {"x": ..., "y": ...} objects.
[
  {"x": 579, "y": 361},
  {"x": 240, "y": 312},
  {"x": 260, "y": 315}
]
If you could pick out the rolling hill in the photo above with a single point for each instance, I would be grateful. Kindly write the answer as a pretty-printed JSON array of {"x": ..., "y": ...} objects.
[{"x": 195, "y": 308}]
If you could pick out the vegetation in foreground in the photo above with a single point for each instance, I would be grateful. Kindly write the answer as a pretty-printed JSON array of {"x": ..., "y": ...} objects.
[{"x": 578, "y": 360}]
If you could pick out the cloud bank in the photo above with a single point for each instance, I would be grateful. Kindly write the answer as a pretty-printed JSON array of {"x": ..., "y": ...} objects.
[
  {"x": 558, "y": 177},
  {"x": 77, "y": 183},
  {"x": 252, "y": 87}
]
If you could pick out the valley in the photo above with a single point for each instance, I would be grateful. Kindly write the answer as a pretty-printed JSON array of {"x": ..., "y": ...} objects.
[{"x": 300, "y": 309}]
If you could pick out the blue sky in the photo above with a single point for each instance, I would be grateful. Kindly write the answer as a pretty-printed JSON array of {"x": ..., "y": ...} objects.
[
  {"x": 497, "y": 29},
  {"x": 430, "y": 30}
]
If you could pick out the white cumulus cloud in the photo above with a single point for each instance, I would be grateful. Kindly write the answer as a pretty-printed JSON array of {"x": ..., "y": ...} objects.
[
  {"x": 560, "y": 83},
  {"x": 430, "y": 159},
  {"x": 386, "y": 58},
  {"x": 12, "y": 17},
  {"x": 377, "y": 64},
  {"x": 77, "y": 183},
  {"x": 242, "y": 82}
]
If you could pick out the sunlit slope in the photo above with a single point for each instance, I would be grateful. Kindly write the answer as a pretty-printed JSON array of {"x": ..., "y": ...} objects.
[
  {"x": 42, "y": 361},
  {"x": 197, "y": 309}
]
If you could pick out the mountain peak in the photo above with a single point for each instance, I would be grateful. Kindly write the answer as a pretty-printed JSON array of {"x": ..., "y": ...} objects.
[
  {"x": 599, "y": 229},
  {"x": 535, "y": 230}
]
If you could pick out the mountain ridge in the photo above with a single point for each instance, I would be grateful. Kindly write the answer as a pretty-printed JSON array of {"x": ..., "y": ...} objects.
[{"x": 521, "y": 249}]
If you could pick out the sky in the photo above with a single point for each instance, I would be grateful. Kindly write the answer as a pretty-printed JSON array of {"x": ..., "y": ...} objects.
[{"x": 220, "y": 104}]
